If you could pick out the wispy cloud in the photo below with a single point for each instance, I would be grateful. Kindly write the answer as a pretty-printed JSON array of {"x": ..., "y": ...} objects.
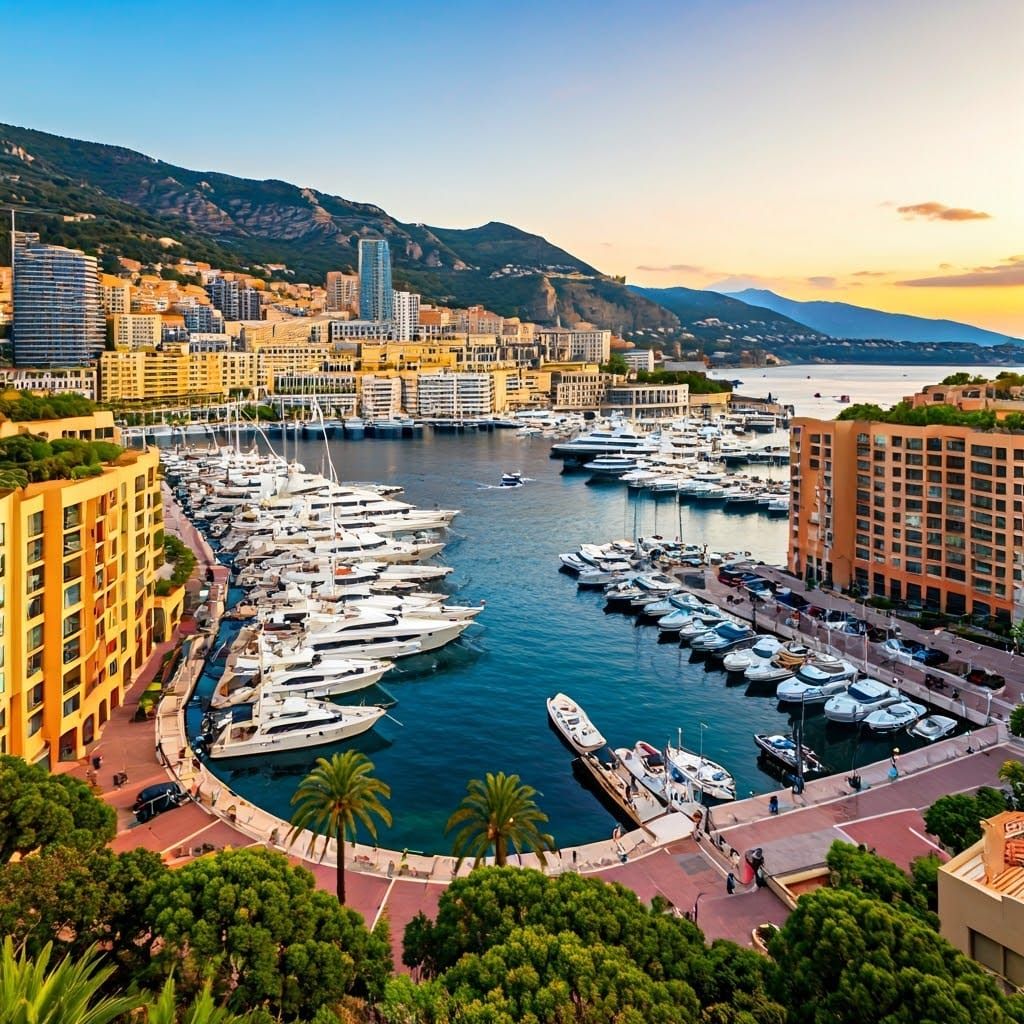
[
  {"x": 672, "y": 268},
  {"x": 1007, "y": 274},
  {"x": 822, "y": 281},
  {"x": 939, "y": 211},
  {"x": 870, "y": 273}
]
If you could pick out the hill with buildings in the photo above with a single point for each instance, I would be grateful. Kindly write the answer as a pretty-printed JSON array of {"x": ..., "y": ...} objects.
[
  {"x": 844, "y": 320},
  {"x": 116, "y": 202}
]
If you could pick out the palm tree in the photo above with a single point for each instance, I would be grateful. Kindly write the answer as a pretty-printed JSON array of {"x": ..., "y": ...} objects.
[
  {"x": 330, "y": 799},
  {"x": 498, "y": 812},
  {"x": 30, "y": 990},
  {"x": 164, "y": 1009}
]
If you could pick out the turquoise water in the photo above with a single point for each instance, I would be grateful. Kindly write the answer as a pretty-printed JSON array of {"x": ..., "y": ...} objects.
[{"x": 479, "y": 705}]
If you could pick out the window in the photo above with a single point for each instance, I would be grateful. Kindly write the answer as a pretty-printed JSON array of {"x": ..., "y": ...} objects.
[
  {"x": 34, "y": 525},
  {"x": 35, "y": 723},
  {"x": 34, "y": 637},
  {"x": 34, "y": 551},
  {"x": 72, "y": 516},
  {"x": 72, "y": 595}
]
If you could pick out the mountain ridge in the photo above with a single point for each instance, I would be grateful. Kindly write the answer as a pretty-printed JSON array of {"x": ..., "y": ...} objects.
[{"x": 847, "y": 320}]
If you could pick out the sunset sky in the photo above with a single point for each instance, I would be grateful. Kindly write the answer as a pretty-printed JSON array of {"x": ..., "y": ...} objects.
[{"x": 871, "y": 152}]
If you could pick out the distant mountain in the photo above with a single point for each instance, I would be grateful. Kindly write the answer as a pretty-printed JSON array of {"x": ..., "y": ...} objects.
[
  {"x": 736, "y": 320},
  {"x": 146, "y": 209},
  {"x": 843, "y": 320}
]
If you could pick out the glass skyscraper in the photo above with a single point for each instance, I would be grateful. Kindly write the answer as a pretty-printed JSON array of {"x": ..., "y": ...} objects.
[
  {"x": 58, "y": 308},
  {"x": 375, "y": 299}
]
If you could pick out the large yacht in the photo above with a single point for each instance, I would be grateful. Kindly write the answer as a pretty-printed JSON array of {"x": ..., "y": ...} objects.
[
  {"x": 617, "y": 440},
  {"x": 290, "y": 724}
]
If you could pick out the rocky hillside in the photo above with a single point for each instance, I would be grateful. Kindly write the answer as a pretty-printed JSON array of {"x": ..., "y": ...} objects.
[{"x": 119, "y": 202}]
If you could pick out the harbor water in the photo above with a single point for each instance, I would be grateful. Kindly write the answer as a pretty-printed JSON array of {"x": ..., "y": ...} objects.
[{"x": 478, "y": 706}]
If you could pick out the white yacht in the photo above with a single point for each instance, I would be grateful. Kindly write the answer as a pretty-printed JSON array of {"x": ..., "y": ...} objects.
[
  {"x": 932, "y": 727},
  {"x": 320, "y": 679},
  {"x": 706, "y": 777},
  {"x": 647, "y": 765},
  {"x": 814, "y": 684},
  {"x": 859, "y": 700},
  {"x": 291, "y": 724},
  {"x": 604, "y": 441},
  {"x": 612, "y": 465},
  {"x": 895, "y": 716},
  {"x": 764, "y": 648},
  {"x": 572, "y": 722}
]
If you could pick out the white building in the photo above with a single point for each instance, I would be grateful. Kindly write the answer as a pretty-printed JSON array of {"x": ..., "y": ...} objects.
[
  {"x": 406, "y": 316},
  {"x": 76, "y": 380},
  {"x": 640, "y": 359},
  {"x": 650, "y": 402},
  {"x": 382, "y": 397},
  {"x": 455, "y": 395},
  {"x": 586, "y": 345}
]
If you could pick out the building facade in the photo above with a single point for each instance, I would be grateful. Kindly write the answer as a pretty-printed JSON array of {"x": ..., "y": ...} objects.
[
  {"x": 405, "y": 315},
  {"x": 376, "y": 300},
  {"x": 133, "y": 331},
  {"x": 234, "y": 300},
  {"x": 342, "y": 292},
  {"x": 381, "y": 397},
  {"x": 646, "y": 402},
  {"x": 455, "y": 395},
  {"x": 928, "y": 515},
  {"x": 981, "y": 898},
  {"x": 58, "y": 307},
  {"x": 80, "y": 610}
]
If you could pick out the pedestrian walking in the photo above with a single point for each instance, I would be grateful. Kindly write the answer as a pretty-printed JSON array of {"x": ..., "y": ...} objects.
[
  {"x": 730, "y": 883},
  {"x": 773, "y": 804}
]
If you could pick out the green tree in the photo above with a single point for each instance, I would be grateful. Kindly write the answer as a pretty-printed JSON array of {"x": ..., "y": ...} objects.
[
  {"x": 39, "y": 810},
  {"x": 1017, "y": 720},
  {"x": 332, "y": 798},
  {"x": 925, "y": 872},
  {"x": 33, "y": 992},
  {"x": 76, "y": 901},
  {"x": 842, "y": 956},
  {"x": 852, "y": 867},
  {"x": 535, "y": 975},
  {"x": 956, "y": 818},
  {"x": 616, "y": 364},
  {"x": 165, "y": 1009},
  {"x": 497, "y": 813},
  {"x": 1012, "y": 773},
  {"x": 262, "y": 934}
]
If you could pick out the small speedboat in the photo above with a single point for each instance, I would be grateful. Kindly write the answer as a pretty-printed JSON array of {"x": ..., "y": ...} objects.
[
  {"x": 572, "y": 722},
  {"x": 511, "y": 479},
  {"x": 782, "y": 751},
  {"x": 703, "y": 775},
  {"x": 647, "y": 765},
  {"x": 813, "y": 684},
  {"x": 895, "y": 716},
  {"x": 762, "y": 651},
  {"x": 932, "y": 727}
]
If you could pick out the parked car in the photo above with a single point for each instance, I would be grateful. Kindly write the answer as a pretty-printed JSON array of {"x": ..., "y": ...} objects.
[
  {"x": 930, "y": 656},
  {"x": 982, "y": 677},
  {"x": 153, "y": 800},
  {"x": 786, "y": 596},
  {"x": 736, "y": 577}
]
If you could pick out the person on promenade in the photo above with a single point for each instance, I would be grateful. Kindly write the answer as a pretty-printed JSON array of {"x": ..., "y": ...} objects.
[
  {"x": 773, "y": 804},
  {"x": 730, "y": 883}
]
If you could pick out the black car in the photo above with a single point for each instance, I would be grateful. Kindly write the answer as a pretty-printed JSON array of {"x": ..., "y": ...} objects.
[
  {"x": 930, "y": 656},
  {"x": 155, "y": 799}
]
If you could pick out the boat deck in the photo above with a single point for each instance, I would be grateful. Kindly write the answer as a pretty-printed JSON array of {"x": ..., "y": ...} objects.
[{"x": 628, "y": 795}]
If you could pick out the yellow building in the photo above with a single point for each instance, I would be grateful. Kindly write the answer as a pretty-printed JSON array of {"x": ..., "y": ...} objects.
[
  {"x": 133, "y": 331},
  {"x": 117, "y": 295},
  {"x": 78, "y": 563},
  {"x": 981, "y": 898}
]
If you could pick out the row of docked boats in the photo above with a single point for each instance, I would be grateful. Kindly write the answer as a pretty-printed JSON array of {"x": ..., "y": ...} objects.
[{"x": 332, "y": 576}]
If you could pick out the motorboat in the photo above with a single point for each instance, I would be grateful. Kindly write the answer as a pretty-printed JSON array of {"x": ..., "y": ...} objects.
[
  {"x": 932, "y": 727},
  {"x": 859, "y": 700},
  {"x": 681, "y": 600},
  {"x": 705, "y": 776},
  {"x": 511, "y": 479},
  {"x": 895, "y": 716},
  {"x": 290, "y": 724},
  {"x": 613, "y": 465},
  {"x": 319, "y": 679},
  {"x": 647, "y": 765},
  {"x": 764, "y": 648},
  {"x": 574, "y": 725},
  {"x": 595, "y": 442},
  {"x": 725, "y": 637},
  {"x": 691, "y": 624},
  {"x": 813, "y": 684},
  {"x": 782, "y": 751}
]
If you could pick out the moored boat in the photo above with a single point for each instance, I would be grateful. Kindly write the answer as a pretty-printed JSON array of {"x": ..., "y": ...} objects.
[
  {"x": 932, "y": 727},
  {"x": 782, "y": 750},
  {"x": 574, "y": 724}
]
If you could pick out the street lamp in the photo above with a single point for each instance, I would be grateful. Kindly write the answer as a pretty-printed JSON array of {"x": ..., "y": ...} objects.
[{"x": 696, "y": 904}]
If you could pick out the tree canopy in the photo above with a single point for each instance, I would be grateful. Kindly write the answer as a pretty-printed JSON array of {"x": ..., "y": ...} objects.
[
  {"x": 923, "y": 415},
  {"x": 39, "y": 810},
  {"x": 956, "y": 818},
  {"x": 843, "y": 956},
  {"x": 263, "y": 934},
  {"x": 855, "y": 868}
]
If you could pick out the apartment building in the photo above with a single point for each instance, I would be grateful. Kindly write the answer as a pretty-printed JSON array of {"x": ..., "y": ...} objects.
[
  {"x": 639, "y": 359},
  {"x": 477, "y": 320},
  {"x": 201, "y": 318},
  {"x": 342, "y": 292},
  {"x": 133, "y": 331},
  {"x": 116, "y": 294},
  {"x": 981, "y": 898},
  {"x": 406, "y": 315},
  {"x": 381, "y": 396},
  {"x": 646, "y": 402},
  {"x": 584, "y": 344},
  {"x": 234, "y": 300},
  {"x": 928, "y": 515},
  {"x": 58, "y": 310},
  {"x": 376, "y": 302},
  {"x": 455, "y": 394},
  {"x": 61, "y": 380},
  {"x": 77, "y": 596},
  {"x": 578, "y": 391}
]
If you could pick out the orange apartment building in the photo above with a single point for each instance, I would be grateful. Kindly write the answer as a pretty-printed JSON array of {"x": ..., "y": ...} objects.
[{"x": 932, "y": 516}]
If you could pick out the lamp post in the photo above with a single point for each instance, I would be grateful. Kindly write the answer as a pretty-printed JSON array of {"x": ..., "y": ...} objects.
[{"x": 696, "y": 904}]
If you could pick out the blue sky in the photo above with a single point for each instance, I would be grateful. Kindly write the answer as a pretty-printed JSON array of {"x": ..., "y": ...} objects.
[{"x": 687, "y": 142}]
